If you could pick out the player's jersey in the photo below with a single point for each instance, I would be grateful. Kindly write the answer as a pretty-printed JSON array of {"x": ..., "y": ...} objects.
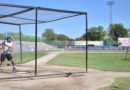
[{"x": 5, "y": 49}]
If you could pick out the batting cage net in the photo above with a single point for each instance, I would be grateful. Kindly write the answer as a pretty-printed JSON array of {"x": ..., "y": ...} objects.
[{"x": 36, "y": 52}]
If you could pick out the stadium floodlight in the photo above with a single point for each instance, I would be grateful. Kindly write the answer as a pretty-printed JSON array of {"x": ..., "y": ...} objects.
[{"x": 110, "y": 3}]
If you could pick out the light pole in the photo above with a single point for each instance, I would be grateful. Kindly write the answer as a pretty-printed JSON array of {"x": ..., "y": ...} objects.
[{"x": 110, "y": 3}]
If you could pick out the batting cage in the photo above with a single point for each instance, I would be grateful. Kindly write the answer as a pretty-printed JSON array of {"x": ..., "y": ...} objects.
[{"x": 36, "y": 53}]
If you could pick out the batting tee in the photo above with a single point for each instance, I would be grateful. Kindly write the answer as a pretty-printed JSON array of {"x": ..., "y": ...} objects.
[{"x": 19, "y": 15}]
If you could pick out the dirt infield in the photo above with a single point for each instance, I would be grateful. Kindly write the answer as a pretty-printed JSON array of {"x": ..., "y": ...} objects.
[
  {"x": 92, "y": 80},
  {"x": 89, "y": 81}
]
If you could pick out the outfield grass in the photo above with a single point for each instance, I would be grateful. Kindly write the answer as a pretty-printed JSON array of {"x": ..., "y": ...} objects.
[
  {"x": 109, "y": 62},
  {"x": 27, "y": 56},
  {"x": 104, "y": 61},
  {"x": 69, "y": 60},
  {"x": 119, "y": 84}
]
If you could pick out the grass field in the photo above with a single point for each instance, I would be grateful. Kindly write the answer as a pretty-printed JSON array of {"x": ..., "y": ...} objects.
[
  {"x": 69, "y": 60},
  {"x": 27, "y": 56},
  {"x": 119, "y": 84},
  {"x": 109, "y": 62},
  {"x": 104, "y": 61}
]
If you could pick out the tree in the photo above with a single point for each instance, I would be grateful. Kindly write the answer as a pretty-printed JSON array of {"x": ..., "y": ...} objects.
[
  {"x": 94, "y": 34},
  {"x": 83, "y": 37},
  {"x": 2, "y": 36},
  {"x": 61, "y": 37},
  {"x": 49, "y": 34},
  {"x": 14, "y": 33},
  {"x": 117, "y": 30}
]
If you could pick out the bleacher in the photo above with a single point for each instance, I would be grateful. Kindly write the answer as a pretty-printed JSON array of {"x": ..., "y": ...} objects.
[
  {"x": 40, "y": 45},
  {"x": 29, "y": 46}
]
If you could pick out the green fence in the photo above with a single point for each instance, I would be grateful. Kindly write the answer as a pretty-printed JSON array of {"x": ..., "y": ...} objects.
[
  {"x": 60, "y": 44},
  {"x": 56, "y": 43},
  {"x": 31, "y": 39},
  {"x": 111, "y": 43},
  {"x": 24, "y": 38}
]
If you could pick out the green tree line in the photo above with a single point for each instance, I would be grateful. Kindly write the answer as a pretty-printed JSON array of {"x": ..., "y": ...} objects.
[
  {"x": 49, "y": 34},
  {"x": 93, "y": 34},
  {"x": 98, "y": 33}
]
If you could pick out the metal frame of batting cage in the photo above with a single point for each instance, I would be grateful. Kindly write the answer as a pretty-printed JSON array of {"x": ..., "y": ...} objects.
[{"x": 28, "y": 8}]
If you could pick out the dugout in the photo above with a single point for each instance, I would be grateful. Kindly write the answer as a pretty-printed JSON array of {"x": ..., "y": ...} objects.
[{"x": 19, "y": 15}]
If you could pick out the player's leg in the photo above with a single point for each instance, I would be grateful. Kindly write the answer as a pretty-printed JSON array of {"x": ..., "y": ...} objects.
[
  {"x": 14, "y": 68},
  {"x": 9, "y": 57},
  {"x": 2, "y": 59},
  {"x": 12, "y": 62},
  {"x": 0, "y": 63}
]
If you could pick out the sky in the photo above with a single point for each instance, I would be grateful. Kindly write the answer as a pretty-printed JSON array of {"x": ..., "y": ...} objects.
[{"x": 98, "y": 15}]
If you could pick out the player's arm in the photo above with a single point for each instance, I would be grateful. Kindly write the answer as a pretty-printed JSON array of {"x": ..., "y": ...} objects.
[
  {"x": 0, "y": 43},
  {"x": 9, "y": 46},
  {"x": 4, "y": 43}
]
